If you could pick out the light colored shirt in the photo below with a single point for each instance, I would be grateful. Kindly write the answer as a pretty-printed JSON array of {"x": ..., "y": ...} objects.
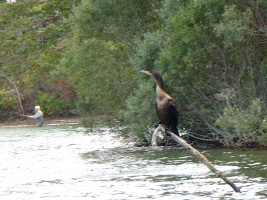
[
  {"x": 39, "y": 117},
  {"x": 38, "y": 114}
]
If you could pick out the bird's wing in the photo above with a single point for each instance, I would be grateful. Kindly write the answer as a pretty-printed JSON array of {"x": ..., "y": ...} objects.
[{"x": 173, "y": 112}]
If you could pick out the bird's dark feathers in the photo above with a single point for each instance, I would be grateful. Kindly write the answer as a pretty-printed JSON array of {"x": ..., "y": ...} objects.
[
  {"x": 168, "y": 116},
  {"x": 165, "y": 104},
  {"x": 157, "y": 77}
]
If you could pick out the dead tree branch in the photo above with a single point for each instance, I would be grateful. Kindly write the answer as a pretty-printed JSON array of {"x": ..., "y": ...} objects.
[
  {"x": 196, "y": 153},
  {"x": 17, "y": 91}
]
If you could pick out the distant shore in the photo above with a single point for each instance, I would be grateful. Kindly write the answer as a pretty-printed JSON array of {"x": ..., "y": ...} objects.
[{"x": 47, "y": 121}]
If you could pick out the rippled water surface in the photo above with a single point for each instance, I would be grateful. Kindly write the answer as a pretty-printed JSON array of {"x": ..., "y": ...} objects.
[{"x": 64, "y": 163}]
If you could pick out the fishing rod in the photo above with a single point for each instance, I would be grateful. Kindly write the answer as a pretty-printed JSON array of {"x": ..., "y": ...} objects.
[{"x": 20, "y": 114}]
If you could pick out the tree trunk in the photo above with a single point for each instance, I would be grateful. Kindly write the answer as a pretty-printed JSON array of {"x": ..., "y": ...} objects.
[{"x": 17, "y": 91}]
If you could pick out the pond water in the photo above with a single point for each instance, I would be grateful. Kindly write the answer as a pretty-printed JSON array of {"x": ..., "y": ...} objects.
[{"x": 62, "y": 162}]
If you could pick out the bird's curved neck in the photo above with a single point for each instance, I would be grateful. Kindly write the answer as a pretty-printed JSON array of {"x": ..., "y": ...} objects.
[
  {"x": 161, "y": 94},
  {"x": 159, "y": 83}
]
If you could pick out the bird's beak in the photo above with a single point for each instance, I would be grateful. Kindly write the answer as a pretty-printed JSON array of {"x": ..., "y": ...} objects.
[{"x": 146, "y": 72}]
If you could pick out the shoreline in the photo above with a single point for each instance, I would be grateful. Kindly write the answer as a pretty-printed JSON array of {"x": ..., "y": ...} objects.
[{"x": 49, "y": 121}]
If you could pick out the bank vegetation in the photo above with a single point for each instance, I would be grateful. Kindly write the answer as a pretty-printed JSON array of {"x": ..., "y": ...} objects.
[{"x": 84, "y": 57}]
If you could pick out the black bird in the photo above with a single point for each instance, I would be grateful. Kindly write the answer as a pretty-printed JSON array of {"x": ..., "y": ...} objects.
[{"x": 165, "y": 105}]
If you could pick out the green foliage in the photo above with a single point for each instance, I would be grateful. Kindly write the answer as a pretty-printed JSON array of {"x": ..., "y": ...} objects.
[
  {"x": 207, "y": 47},
  {"x": 118, "y": 21},
  {"x": 147, "y": 51},
  {"x": 101, "y": 84},
  {"x": 262, "y": 135},
  {"x": 235, "y": 26},
  {"x": 242, "y": 127},
  {"x": 32, "y": 37},
  {"x": 140, "y": 105},
  {"x": 211, "y": 54},
  {"x": 140, "y": 112},
  {"x": 98, "y": 57},
  {"x": 8, "y": 103},
  {"x": 52, "y": 106}
]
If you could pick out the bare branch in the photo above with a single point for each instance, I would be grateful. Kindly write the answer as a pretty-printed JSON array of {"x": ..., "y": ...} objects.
[
  {"x": 17, "y": 91},
  {"x": 196, "y": 153}
]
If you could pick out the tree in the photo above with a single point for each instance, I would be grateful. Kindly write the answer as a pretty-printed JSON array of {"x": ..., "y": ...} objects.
[
  {"x": 98, "y": 59},
  {"x": 33, "y": 35},
  {"x": 213, "y": 55}
]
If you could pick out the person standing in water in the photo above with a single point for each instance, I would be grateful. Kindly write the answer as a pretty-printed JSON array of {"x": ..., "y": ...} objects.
[{"x": 38, "y": 116}]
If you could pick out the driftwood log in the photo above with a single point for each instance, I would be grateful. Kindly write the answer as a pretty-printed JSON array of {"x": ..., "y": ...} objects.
[{"x": 195, "y": 152}]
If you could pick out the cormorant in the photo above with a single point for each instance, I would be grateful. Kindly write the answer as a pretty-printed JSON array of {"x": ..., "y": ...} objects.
[{"x": 165, "y": 105}]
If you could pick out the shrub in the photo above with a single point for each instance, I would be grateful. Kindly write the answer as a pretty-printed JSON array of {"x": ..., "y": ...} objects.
[
  {"x": 243, "y": 127},
  {"x": 8, "y": 104},
  {"x": 140, "y": 113},
  {"x": 52, "y": 106}
]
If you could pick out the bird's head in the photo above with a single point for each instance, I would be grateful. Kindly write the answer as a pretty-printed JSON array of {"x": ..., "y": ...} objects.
[
  {"x": 151, "y": 72},
  {"x": 155, "y": 75}
]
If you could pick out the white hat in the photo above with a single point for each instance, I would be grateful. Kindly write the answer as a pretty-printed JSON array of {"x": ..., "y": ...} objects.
[{"x": 37, "y": 107}]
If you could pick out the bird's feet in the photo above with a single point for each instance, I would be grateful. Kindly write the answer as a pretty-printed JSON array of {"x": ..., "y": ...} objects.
[
  {"x": 157, "y": 124},
  {"x": 168, "y": 131}
]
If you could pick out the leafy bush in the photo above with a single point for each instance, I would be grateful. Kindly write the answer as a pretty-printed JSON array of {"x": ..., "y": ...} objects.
[
  {"x": 262, "y": 137},
  {"x": 52, "y": 106},
  {"x": 140, "y": 112},
  {"x": 205, "y": 47},
  {"x": 8, "y": 103},
  {"x": 243, "y": 127}
]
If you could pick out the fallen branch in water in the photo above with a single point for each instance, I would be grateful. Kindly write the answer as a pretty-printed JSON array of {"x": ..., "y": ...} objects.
[{"x": 196, "y": 153}]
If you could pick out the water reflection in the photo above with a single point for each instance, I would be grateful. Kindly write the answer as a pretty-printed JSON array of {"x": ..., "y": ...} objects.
[{"x": 63, "y": 162}]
